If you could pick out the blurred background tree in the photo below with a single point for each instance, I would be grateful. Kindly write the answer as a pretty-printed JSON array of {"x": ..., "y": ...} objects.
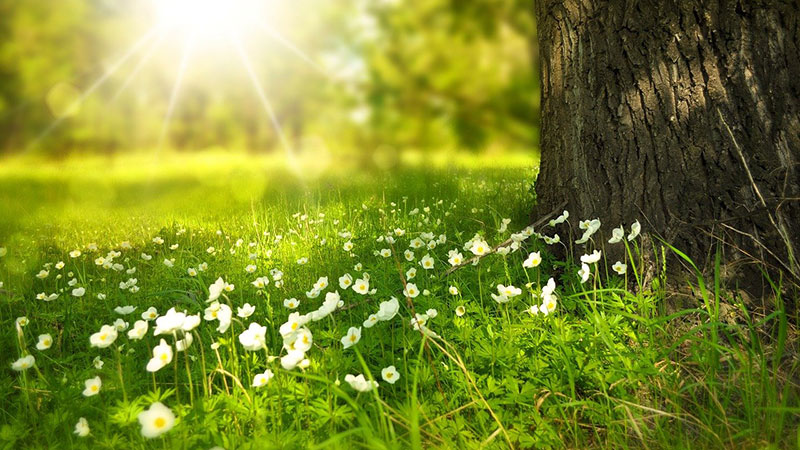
[{"x": 376, "y": 76}]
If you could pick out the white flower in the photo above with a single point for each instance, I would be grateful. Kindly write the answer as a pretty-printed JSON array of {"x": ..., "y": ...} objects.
[
  {"x": 509, "y": 291},
  {"x": 260, "y": 282},
  {"x": 245, "y": 311},
  {"x": 216, "y": 289},
  {"x": 426, "y": 262},
  {"x": 146, "y": 257},
  {"x": 548, "y": 306},
  {"x": 548, "y": 290},
  {"x": 250, "y": 268},
  {"x": 45, "y": 341},
  {"x": 138, "y": 331},
  {"x": 560, "y": 219},
  {"x": 162, "y": 355},
  {"x": 409, "y": 255},
  {"x": 120, "y": 325},
  {"x": 636, "y": 228},
  {"x": 75, "y": 253},
  {"x": 42, "y": 274},
  {"x": 191, "y": 271},
  {"x": 21, "y": 321},
  {"x": 186, "y": 342},
  {"x": 345, "y": 281},
  {"x": 460, "y": 310},
  {"x": 170, "y": 322},
  {"x": 169, "y": 262},
  {"x": 479, "y": 247},
  {"x": 293, "y": 323},
  {"x": 453, "y": 290},
  {"x": 371, "y": 320},
  {"x": 92, "y": 386},
  {"x": 385, "y": 252},
  {"x": 616, "y": 235},
  {"x": 78, "y": 292},
  {"x": 82, "y": 428},
  {"x": 156, "y": 421},
  {"x": 321, "y": 284},
  {"x": 620, "y": 267},
  {"x": 388, "y": 309},
  {"x": 503, "y": 225},
  {"x": 500, "y": 298},
  {"x": 292, "y": 359},
  {"x": 584, "y": 272},
  {"x": 124, "y": 310},
  {"x": 262, "y": 379},
  {"x": 352, "y": 337},
  {"x": 360, "y": 383},
  {"x": 456, "y": 258},
  {"x": 97, "y": 363},
  {"x": 301, "y": 339},
  {"x": 411, "y": 290},
  {"x": 411, "y": 273},
  {"x": 591, "y": 258},
  {"x": 361, "y": 286},
  {"x": 150, "y": 314},
  {"x": 291, "y": 303},
  {"x": 224, "y": 316},
  {"x": 390, "y": 375},
  {"x": 254, "y": 338},
  {"x": 332, "y": 301},
  {"x": 533, "y": 260},
  {"x": 551, "y": 240},
  {"x": 348, "y": 246},
  {"x": 191, "y": 322},
  {"x": 302, "y": 261},
  {"x": 103, "y": 338},
  {"x": 24, "y": 363}
]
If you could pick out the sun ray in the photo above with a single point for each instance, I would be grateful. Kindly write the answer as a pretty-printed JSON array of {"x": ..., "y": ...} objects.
[
  {"x": 278, "y": 37},
  {"x": 139, "y": 65},
  {"x": 263, "y": 97},
  {"x": 132, "y": 50},
  {"x": 176, "y": 87}
]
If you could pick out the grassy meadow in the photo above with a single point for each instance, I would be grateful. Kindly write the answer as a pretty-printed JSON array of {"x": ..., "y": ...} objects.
[{"x": 237, "y": 301}]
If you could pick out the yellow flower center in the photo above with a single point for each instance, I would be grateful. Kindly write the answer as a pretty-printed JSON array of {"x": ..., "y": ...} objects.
[
  {"x": 94, "y": 388},
  {"x": 46, "y": 342},
  {"x": 389, "y": 375},
  {"x": 163, "y": 356},
  {"x": 160, "y": 422},
  {"x": 103, "y": 337},
  {"x": 294, "y": 326},
  {"x": 352, "y": 338}
]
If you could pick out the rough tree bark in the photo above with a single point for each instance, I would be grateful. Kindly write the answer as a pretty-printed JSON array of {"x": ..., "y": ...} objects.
[{"x": 683, "y": 114}]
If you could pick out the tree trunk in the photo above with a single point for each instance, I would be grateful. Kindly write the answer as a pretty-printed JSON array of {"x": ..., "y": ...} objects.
[{"x": 683, "y": 114}]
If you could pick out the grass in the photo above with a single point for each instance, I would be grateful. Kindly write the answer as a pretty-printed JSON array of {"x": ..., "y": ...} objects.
[{"x": 612, "y": 366}]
